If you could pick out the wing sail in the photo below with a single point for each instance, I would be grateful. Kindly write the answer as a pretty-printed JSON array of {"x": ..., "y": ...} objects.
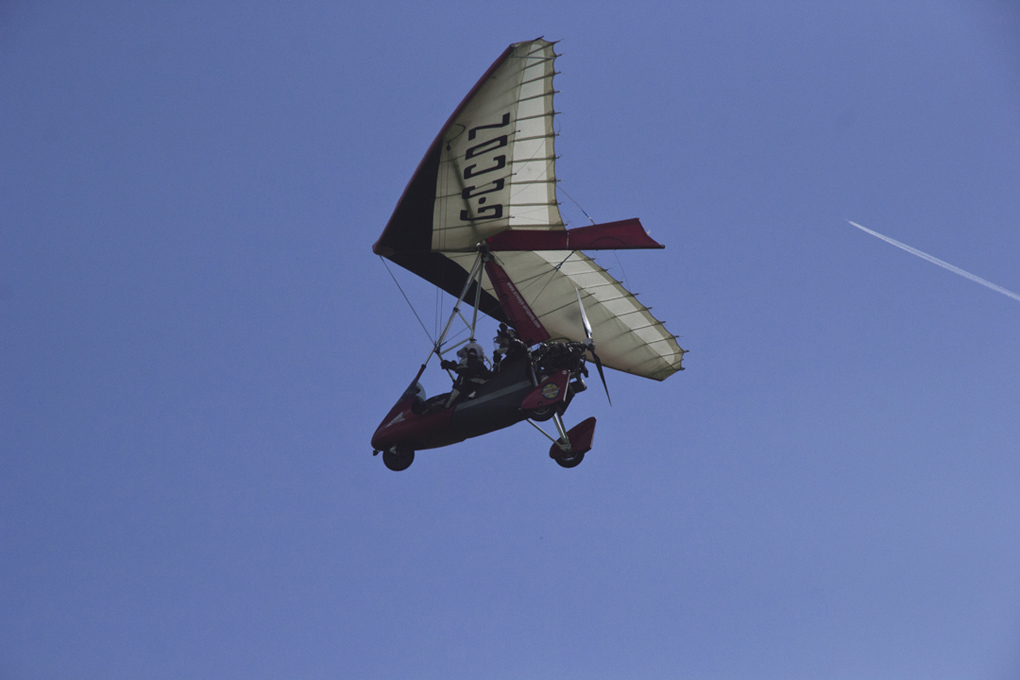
[
  {"x": 489, "y": 178},
  {"x": 491, "y": 166}
]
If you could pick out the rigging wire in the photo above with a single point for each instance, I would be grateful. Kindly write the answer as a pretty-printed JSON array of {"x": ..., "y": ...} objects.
[
  {"x": 383, "y": 260},
  {"x": 549, "y": 279},
  {"x": 437, "y": 307},
  {"x": 560, "y": 187},
  {"x": 622, "y": 271}
]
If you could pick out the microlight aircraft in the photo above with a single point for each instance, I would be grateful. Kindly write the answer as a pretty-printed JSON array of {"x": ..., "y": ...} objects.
[{"x": 480, "y": 220}]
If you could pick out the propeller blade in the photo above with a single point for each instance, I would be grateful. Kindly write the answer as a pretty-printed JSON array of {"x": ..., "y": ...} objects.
[
  {"x": 584, "y": 317},
  {"x": 598, "y": 365},
  {"x": 590, "y": 344}
]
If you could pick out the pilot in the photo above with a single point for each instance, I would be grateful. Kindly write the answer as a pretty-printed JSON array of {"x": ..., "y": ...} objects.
[{"x": 471, "y": 370}]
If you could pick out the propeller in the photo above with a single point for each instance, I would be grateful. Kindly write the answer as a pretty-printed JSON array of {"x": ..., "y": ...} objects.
[{"x": 589, "y": 343}]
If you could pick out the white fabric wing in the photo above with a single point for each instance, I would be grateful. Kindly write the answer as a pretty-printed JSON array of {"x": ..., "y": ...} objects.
[
  {"x": 496, "y": 163},
  {"x": 492, "y": 169},
  {"x": 627, "y": 336}
]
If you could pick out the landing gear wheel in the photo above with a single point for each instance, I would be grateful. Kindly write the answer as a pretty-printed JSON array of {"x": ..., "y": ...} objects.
[
  {"x": 542, "y": 413},
  {"x": 572, "y": 462},
  {"x": 398, "y": 460}
]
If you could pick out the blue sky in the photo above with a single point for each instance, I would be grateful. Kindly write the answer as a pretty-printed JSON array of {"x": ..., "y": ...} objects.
[{"x": 196, "y": 344}]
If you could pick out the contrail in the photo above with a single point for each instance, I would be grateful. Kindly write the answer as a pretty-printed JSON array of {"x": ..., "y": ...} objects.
[{"x": 944, "y": 265}]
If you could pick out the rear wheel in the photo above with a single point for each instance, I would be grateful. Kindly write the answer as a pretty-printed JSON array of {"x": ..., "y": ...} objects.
[
  {"x": 541, "y": 414},
  {"x": 398, "y": 460},
  {"x": 573, "y": 461}
]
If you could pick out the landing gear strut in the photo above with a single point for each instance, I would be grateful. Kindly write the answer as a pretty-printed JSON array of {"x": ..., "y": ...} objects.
[{"x": 568, "y": 451}]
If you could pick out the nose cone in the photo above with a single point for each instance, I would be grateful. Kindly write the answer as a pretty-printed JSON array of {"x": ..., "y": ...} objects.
[
  {"x": 391, "y": 426},
  {"x": 382, "y": 439}
]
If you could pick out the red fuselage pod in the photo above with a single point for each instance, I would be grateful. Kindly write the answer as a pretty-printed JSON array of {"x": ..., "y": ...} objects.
[
  {"x": 404, "y": 428},
  {"x": 509, "y": 397},
  {"x": 552, "y": 391}
]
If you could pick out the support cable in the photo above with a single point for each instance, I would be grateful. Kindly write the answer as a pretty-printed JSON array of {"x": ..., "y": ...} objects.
[
  {"x": 560, "y": 187},
  {"x": 408, "y": 300},
  {"x": 625, "y": 282}
]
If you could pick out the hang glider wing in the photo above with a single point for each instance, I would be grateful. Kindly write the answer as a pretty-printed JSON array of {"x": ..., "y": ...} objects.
[{"x": 488, "y": 177}]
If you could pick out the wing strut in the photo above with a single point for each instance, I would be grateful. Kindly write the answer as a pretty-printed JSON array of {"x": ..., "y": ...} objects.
[
  {"x": 474, "y": 277},
  {"x": 522, "y": 317}
]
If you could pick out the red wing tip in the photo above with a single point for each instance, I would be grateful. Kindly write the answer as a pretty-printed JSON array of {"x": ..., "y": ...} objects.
[{"x": 382, "y": 250}]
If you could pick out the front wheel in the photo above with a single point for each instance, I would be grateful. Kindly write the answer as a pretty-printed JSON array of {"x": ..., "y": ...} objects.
[
  {"x": 398, "y": 460},
  {"x": 571, "y": 462}
]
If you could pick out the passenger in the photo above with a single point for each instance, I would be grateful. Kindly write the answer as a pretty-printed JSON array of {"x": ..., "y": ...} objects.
[
  {"x": 500, "y": 347},
  {"x": 471, "y": 370}
]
